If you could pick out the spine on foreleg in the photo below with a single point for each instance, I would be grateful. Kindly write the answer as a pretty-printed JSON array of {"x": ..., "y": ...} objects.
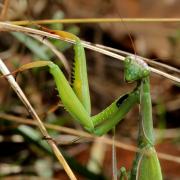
[
  {"x": 71, "y": 103},
  {"x": 79, "y": 77}
]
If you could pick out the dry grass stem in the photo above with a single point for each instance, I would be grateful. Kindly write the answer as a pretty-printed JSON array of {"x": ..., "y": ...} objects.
[
  {"x": 32, "y": 112},
  {"x": 4, "y": 10},
  {"x": 11, "y": 27},
  {"x": 149, "y": 61},
  {"x": 61, "y": 57},
  {"x": 83, "y": 134},
  {"x": 99, "y": 20}
]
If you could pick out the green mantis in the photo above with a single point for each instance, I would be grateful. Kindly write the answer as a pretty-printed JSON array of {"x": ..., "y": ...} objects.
[{"x": 76, "y": 100}]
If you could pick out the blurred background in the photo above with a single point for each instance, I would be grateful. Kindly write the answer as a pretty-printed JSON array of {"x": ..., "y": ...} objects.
[{"x": 23, "y": 153}]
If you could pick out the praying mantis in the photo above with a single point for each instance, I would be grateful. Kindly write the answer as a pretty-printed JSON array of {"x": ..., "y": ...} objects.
[{"x": 76, "y": 100}]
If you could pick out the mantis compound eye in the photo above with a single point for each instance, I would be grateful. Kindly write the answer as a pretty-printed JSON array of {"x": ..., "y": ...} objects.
[{"x": 135, "y": 69}]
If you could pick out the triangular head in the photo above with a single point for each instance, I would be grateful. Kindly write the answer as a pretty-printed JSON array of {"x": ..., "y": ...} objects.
[{"x": 135, "y": 69}]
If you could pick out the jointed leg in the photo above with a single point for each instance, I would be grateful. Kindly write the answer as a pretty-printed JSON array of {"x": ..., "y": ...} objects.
[
  {"x": 105, "y": 120},
  {"x": 76, "y": 100},
  {"x": 114, "y": 113}
]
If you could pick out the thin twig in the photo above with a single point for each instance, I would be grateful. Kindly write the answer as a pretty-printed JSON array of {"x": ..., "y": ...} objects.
[
  {"x": 32, "y": 112},
  {"x": 83, "y": 134},
  {"x": 11, "y": 27}
]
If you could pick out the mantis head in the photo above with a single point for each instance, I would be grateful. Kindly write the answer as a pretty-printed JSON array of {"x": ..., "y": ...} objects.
[{"x": 135, "y": 69}]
